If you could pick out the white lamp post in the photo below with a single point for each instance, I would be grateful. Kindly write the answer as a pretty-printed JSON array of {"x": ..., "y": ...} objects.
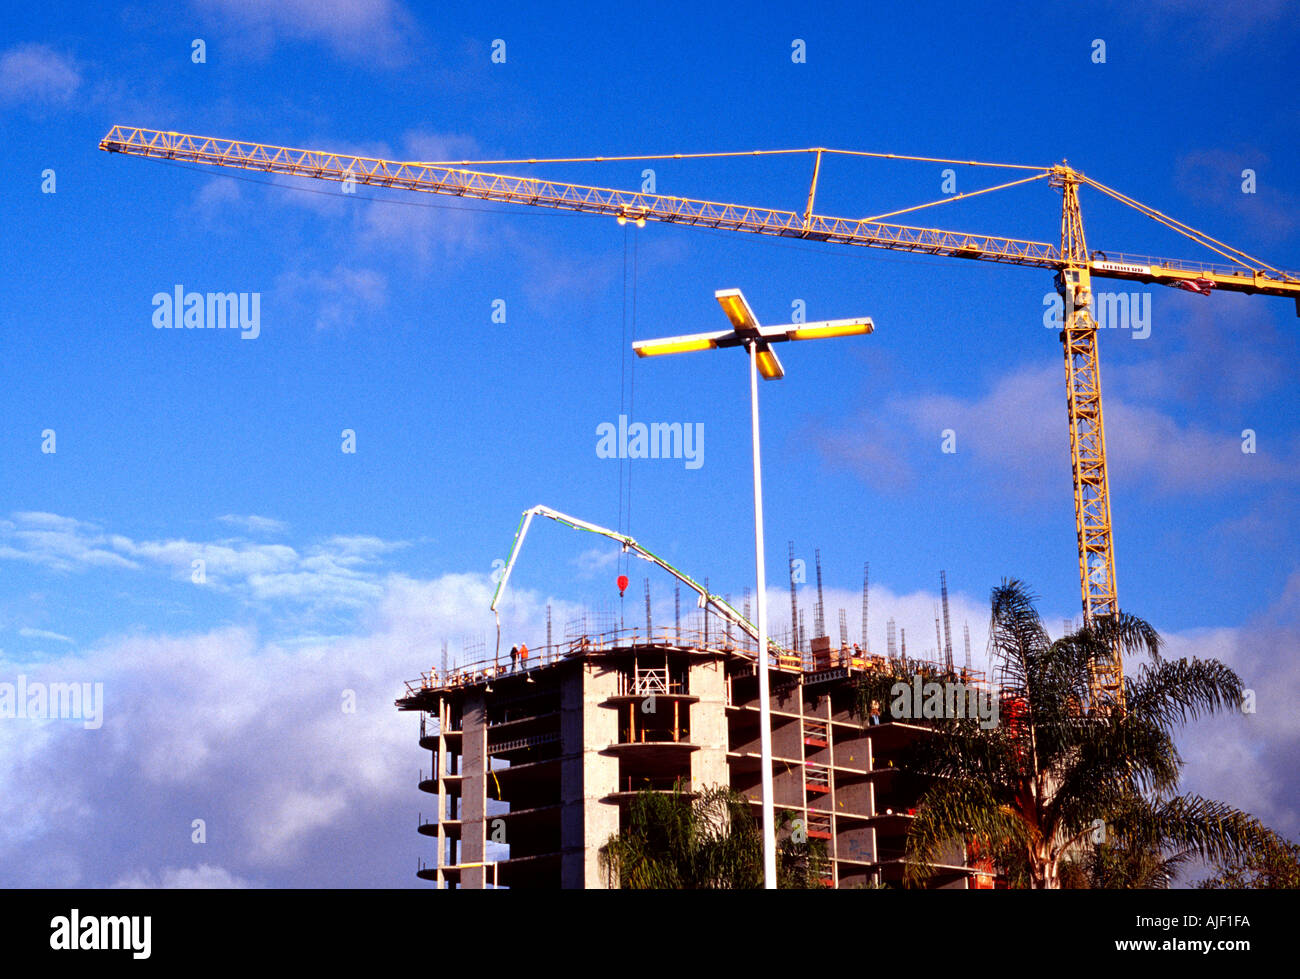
[{"x": 757, "y": 339}]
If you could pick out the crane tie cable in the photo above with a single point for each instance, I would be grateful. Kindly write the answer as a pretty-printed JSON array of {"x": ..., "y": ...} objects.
[{"x": 705, "y": 156}]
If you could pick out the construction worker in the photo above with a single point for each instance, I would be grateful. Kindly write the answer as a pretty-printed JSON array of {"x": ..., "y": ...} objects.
[
  {"x": 514, "y": 658},
  {"x": 523, "y": 655}
]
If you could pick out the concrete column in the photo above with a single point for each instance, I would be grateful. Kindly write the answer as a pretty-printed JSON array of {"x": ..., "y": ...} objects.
[
  {"x": 571, "y": 748},
  {"x": 599, "y": 766},
  {"x": 588, "y": 771},
  {"x": 707, "y": 680},
  {"x": 474, "y": 802}
]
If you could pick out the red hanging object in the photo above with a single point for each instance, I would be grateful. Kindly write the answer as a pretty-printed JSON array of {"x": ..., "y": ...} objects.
[{"x": 622, "y": 584}]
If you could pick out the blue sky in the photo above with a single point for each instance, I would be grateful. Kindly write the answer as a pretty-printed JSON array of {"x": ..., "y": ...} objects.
[{"x": 329, "y": 571}]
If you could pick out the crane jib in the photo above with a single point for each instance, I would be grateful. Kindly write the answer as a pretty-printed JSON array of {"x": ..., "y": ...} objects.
[{"x": 512, "y": 189}]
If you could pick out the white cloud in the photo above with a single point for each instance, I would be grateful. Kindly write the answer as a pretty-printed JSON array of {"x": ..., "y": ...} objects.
[
  {"x": 421, "y": 225},
  {"x": 401, "y": 225},
  {"x": 424, "y": 227},
  {"x": 432, "y": 147},
  {"x": 204, "y": 876},
  {"x": 1015, "y": 436},
  {"x": 596, "y": 559},
  {"x": 342, "y": 572},
  {"x": 341, "y": 298},
  {"x": 42, "y": 634},
  {"x": 285, "y": 817},
  {"x": 250, "y": 736},
  {"x": 59, "y": 543},
  {"x": 1224, "y": 352},
  {"x": 1251, "y": 760},
  {"x": 255, "y": 524},
  {"x": 226, "y": 561},
  {"x": 361, "y": 547},
  {"x": 370, "y": 32},
  {"x": 37, "y": 75},
  {"x": 1144, "y": 443},
  {"x": 217, "y": 198}
]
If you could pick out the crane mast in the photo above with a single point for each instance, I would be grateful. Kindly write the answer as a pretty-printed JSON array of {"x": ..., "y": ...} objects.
[{"x": 1087, "y": 437}]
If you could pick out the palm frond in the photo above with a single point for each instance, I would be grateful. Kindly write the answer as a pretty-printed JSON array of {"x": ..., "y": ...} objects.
[
  {"x": 1212, "y": 830},
  {"x": 961, "y": 809},
  {"x": 1176, "y": 691}
]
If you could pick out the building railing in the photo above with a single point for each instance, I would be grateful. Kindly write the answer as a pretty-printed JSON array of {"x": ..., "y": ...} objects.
[
  {"x": 637, "y": 783},
  {"x": 489, "y": 669},
  {"x": 656, "y": 735},
  {"x": 850, "y": 657},
  {"x": 530, "y": 741},
  {"x": 430, "y": 726},
  {"x": 1185, "y": 265},
  {"x": 817, "y": 778},
  {"x": 650, "y": 682}
]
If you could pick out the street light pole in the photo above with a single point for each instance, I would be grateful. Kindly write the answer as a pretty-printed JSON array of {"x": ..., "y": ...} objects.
[
  {"x": 764, "y": 702},
  {"x": 746, "y": 331}
]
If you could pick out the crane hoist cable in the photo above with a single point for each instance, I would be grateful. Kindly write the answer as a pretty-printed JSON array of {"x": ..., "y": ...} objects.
[
  {"x": 622, "y": 386},
  {"x": 622, "y": 561},
  {"x": 627, "y": 383},
  {"x": 631, "y": 375}
]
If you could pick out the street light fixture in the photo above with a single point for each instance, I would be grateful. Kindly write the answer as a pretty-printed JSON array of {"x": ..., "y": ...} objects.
[{"x": 757, "y": 339}]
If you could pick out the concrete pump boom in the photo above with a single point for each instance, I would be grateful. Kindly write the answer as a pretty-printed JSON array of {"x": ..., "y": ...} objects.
[{"x": 706, "y": 600}]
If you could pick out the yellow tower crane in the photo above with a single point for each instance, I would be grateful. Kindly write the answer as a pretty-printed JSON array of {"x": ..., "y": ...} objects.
[{"x": 1072, "y": 262}]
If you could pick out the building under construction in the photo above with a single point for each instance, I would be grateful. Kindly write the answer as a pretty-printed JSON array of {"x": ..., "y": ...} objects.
[{"x": 535, "y": 762}]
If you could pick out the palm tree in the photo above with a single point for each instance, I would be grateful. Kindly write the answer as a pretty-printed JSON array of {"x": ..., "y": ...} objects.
[
  {"x": 1115, "y": 865},
  {"x": 1275, "y": 867},
  {"x": 1057, "y": 777},
  {"x": 675, "y": 842}
]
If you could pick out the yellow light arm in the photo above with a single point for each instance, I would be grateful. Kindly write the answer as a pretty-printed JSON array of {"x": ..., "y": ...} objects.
[
  {"x": 769, "y": 367},
  {"x": 736, "y": 306},
  {"x": 680, "y": 345},
  {"x": 823, "y": 329}
]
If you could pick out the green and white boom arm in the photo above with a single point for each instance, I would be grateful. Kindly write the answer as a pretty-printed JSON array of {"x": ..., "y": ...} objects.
[{"x": 706, "y": 600}]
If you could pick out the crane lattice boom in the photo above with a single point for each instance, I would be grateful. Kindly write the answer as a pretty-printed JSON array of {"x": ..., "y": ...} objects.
[{"x": 435, "y": 178}]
